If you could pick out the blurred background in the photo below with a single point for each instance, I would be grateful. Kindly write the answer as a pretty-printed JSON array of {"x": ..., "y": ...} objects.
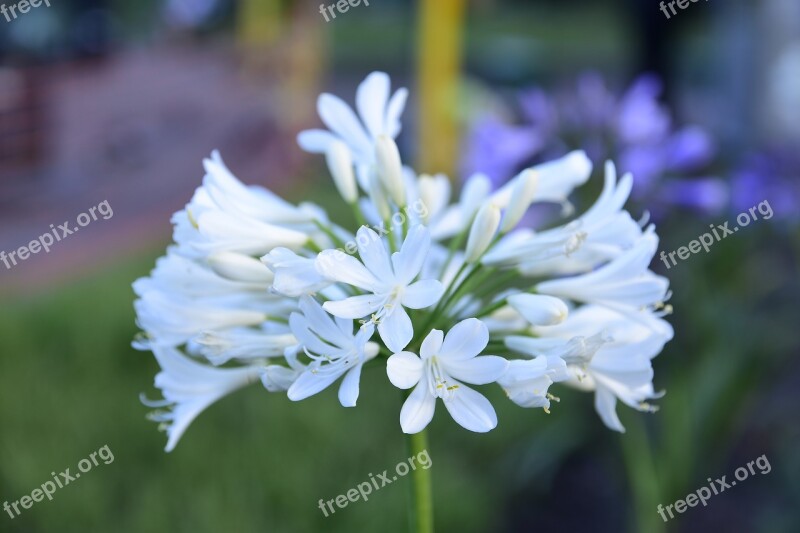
[{"x": 120, "y": 101}]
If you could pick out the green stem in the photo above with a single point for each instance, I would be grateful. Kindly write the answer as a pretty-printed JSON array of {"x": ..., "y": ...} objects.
[
  {"x": 421, "y": 503},
  {"x": 642, "y": 476}
]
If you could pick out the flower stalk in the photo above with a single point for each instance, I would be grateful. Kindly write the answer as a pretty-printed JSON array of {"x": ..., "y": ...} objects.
[{"x": 420, "y": 508}]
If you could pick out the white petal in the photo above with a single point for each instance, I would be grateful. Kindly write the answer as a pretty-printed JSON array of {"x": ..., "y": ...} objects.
[
  {"x": 355, "y": 306},
  {"x": 538, "y": 309},
  {"x": 338, "y": 266},
  {"x": 417, "y": 411},
  {"x": 315, "y": 141},
  {"x": 301, "y": 329},
  {"x": 310, "y": 383},
  {"x": 338, "y": 116},
  {"x": 348, "y": 390},
  {"x": 422, "y": 294},
  {"x": 471, "y": 410},
  {"x": 374, "y": 254},
  {"x": 478, "y": 371},
  {"x": 396, "y": 330},
  {"x": 404, "y": 369},
  {"x": 432, "y": 344},
  {"x": 465, "y": 340},
  {"x": 394, "y": 111},
  {"x": 605, "y": 403},
  {"x": 371, "y": 98},
  {"x": 323, "y": 324},
  {"x": 409, "y": 260}
]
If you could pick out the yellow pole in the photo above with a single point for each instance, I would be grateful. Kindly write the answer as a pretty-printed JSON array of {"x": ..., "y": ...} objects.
[{"x": 439, "y": 54}]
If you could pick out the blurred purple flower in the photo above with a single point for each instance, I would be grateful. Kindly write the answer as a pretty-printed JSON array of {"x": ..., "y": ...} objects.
[
  {"x": 634, "y": 129},
  {"x": 772, "y": 174}
]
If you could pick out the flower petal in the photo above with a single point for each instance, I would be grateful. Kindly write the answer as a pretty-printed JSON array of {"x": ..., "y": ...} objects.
[
  {"x": 417, "y": 411},
  {"x": 371, "y": 98},
  {"x": 338, "y": 266},
  {"x": 478, "y": 371},
  {"x": 471, "y": 410},
  {"x": 465, "y": 340},
  {"x": 404, "y": 369},
  {"x": 315, "y": 141},
  {"x": 340, "y": 119},
  {"x": 310, "y": 383},
  {"x": 394, "y": 111},
  {"x": 432, "y": 344},
  {"x": 422, "y": 294},
  {"x": 409, "y": 260},
  {"x": 348, "y": 390},
  {"x": 396, "y": 329},
  {"x": 374, "y": 254},
  {"x": 606, "y": 405},
  {"x": 355, "y": 306}
]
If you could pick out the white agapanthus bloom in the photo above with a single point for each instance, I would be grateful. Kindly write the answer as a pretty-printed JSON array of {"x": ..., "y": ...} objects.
[
  {"x": 334, "y": 349},
  {"x": 387, "y": 281},
  {"x": 444, "y": 364},
  {"x": 259, "y": 290}
]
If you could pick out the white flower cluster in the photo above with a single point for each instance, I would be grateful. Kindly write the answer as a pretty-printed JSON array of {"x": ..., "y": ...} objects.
[{"x": 257, "y": 289}]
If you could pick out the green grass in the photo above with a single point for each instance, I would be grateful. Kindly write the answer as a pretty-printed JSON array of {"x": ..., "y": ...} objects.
[{"x": 70, "y": 382}]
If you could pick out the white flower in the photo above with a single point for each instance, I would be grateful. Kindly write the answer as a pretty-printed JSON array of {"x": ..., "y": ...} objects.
[
  {"x": 526, "y": 383},
  {"x": 226, "y": 215},
  {"x": 482, "y": 232},
  {"x": 334, "y": 349},
  {"x": 246, "y": 283},
  {"x": 602, "y": 233},
  {"x": 438, "y": 372},
  {"x": 189, "y": 387},
  {"x": 388, "y": 282},
  {"x": 539, "y": 310},
  {"x": 243, "y": 344},
  {"x": 624, "y": 284},
  {"x": 295, "y": 275},
  {"x": 619, "y": 366},
  {"x": 379, "y": 115},
  {"x": 555, "y": 180},
  {"x": 184, "y": 297}
]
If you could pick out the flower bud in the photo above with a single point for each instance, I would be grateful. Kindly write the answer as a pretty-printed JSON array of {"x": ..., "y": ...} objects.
[
  {"x": 538, "y": 309},
  {"x": 434, "y": 193},
  {"x": 378, "y": 196},
  {"x": 390, "y": 169},
  {"x": 240, "y": 267},
  {"x": 521, "y": 198},
  {"x": 340, "y": 165},
  {"x": 483, "y": 230}
]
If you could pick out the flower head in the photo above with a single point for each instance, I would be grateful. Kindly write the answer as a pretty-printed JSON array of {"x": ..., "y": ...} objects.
[
  {"x": 388, "y": 283},
  {"x": 444, "y": 364}
]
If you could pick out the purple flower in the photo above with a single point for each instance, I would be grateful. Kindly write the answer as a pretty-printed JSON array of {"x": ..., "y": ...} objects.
[
  {"x": 634, "y": 129},
  {"x": 772, "y": 174}
]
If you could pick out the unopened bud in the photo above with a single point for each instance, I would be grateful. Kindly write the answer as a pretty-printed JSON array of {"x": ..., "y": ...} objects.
[
  {"x": 521, "y": 198},
  {"x": 538, "y": 309},
  {"x": 378, "y": 196},
  {"x": 240, "y": 267},
  {"x": 340, "y": 165},
  {"x": 390, "y": 168},
  {"x": 483, "y": 230}
]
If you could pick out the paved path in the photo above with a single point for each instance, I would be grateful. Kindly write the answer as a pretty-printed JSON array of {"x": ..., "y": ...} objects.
[{"x": 133, "y": 130}]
